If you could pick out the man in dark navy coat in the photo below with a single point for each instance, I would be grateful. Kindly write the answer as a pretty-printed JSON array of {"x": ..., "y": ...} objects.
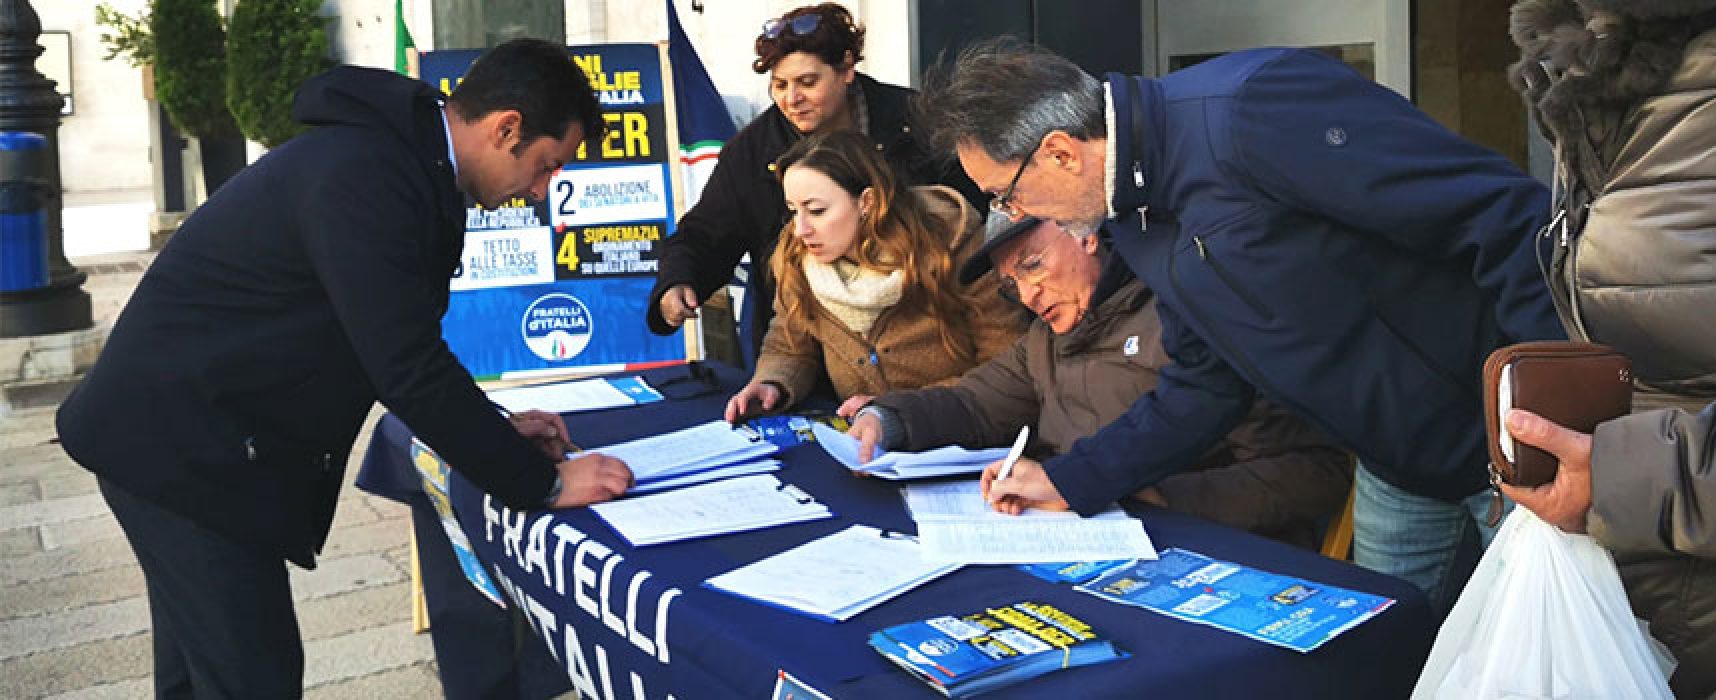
[
  {"x": 1310, "y": 236},
  {"x": 221, "y": 412}
]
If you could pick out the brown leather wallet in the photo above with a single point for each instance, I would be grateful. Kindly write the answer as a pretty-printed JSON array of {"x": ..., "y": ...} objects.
[{"x": 1577, "y": 385}]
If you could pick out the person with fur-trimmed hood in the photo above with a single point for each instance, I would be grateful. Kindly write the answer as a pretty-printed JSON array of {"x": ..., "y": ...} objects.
[{"x": 1626, "y": 91}]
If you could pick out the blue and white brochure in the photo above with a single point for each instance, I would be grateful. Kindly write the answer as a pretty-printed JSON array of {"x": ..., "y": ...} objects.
[{"x": 1281, "y": 610}]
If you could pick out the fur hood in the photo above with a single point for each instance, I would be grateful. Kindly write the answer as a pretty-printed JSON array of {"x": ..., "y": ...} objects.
[{"x": 1585, "y": 64}]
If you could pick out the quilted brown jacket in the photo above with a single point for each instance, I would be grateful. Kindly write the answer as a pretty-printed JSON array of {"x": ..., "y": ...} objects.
[{"x": 1273, "y": 475}]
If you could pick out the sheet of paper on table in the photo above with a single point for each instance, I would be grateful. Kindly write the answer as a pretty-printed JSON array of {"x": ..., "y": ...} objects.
[
  {"x": 943, "y": 500},
  {"x": 895, "y": 465},
  {"x": 694, "y": 449},
  {"x": 955, "y": 524},
  {"x": 581, "y": 395},
  {"x": 835, "y": 577},
  {"x": 716, "y": 508}
]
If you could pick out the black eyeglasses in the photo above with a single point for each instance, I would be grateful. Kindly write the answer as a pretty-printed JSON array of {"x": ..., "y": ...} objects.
[
  {"x": 1003, "y": 203},
  {"x": 800, "y": 25},
  {"x": 1028, "y": 271}
]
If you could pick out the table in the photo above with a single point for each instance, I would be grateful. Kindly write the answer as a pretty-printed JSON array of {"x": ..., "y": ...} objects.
[{"x": 629, "y": 622}]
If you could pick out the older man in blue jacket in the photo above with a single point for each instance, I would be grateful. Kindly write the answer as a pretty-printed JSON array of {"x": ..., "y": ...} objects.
[{"x": 1311, "y": 236}]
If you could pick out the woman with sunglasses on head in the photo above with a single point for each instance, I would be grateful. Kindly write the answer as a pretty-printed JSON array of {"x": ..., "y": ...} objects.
[
  {"x": 868, "y": 291},
  {"x": 809, "y": 55}
]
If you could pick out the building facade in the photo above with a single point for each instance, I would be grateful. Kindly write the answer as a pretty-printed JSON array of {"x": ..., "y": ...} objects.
[{"x": 1449, "y": 56}]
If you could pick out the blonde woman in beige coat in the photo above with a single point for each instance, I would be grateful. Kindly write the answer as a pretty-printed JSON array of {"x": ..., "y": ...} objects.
[{"x": 866, "y": 283}]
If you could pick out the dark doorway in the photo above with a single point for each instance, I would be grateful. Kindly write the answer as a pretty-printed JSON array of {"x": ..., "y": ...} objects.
[{"x": 1099, "y": 35}]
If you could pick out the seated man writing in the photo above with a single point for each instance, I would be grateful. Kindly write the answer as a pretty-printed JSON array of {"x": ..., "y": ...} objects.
[{"x": 1094, "y": 349}]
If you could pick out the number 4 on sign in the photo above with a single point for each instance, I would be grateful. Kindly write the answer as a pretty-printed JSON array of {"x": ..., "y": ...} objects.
[{"x": 568, "y": 253}]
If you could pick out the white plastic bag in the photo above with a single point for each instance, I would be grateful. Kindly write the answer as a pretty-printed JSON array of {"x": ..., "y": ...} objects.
[{"x": 1544, "y": 616}]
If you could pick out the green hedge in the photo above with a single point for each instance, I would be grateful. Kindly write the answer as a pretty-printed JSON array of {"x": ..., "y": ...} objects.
[
  {"x": 272, "y": 47},
  {"x": 190, "y": 66}
]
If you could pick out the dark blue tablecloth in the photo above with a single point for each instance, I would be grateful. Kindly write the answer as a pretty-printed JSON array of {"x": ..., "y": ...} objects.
[{"x": 598, "y": 602}]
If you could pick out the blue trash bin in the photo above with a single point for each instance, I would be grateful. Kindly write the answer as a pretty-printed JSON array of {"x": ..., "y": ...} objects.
[{"x": 23, "y": 223}]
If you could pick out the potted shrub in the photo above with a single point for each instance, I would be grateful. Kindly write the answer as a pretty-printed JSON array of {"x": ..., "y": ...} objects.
[
  {"x": 272, "y": 46},
  {"x": 190, "y": 82}
]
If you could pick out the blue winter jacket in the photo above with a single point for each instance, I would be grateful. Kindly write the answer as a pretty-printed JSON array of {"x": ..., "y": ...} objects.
[{"x": 1313, "y": 235}]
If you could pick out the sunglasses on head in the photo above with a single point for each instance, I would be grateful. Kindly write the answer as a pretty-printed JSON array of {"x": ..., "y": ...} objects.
[{"x": 800, "y": 25}]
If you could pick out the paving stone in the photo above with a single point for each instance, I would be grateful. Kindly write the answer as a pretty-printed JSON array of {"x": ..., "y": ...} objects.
[
  {"x": 20, "y": 542},
  {"x": 71, "y": 592},
  {"x": 65, "y": 561},
  {"x": 415, "y": 681},
  {"x": 354, "y": 512},
  {"x": 27, "y": 428},
  {"x": 76, "y": 532},
  {"x": 375, "y": 537},
  {"x": 58, "y": 510},
  {"x": 90, "y": 623},
  {"x": 388, "y": 508},
  {"x": 342, "y": 574},
  {"x": 20, "y": 492},
  {"x": 76, "y": 484},
  {"x": 37, "y": 462},
  {"x": 86, "y": 666},
  {"x": 345, "y": 613},
  {"x": 363, "y": 653},
  {"x": 401, "y": 558},
  {"x": 136, "y": 689}
]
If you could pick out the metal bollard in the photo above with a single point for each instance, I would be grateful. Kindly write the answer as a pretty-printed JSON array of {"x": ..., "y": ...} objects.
[{"x": 23, "y": 225}]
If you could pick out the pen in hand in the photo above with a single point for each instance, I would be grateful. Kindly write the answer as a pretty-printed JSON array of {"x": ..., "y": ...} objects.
[{"x": 1014, "y": 454}]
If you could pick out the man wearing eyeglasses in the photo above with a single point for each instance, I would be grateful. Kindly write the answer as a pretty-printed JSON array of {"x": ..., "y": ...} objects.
[
  {"x": 1309, "y": 235},
  {"x": 1095, "y": 348}
]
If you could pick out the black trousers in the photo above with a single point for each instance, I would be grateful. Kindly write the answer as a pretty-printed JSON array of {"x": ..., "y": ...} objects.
[{"x": 222, "y": 611}]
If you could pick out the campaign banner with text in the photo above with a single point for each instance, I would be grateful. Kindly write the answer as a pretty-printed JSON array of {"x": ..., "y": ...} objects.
[{"x": 560, "y": 285}]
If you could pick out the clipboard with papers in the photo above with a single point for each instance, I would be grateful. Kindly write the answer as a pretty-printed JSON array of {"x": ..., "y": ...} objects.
[
  {"x": 955, "y": 525},
  {"x": 717, "y": 508},
  {"x": 705, "y": 452},
  {"x": 897, "y": 466},
  {"x": 836, "y": 577}
]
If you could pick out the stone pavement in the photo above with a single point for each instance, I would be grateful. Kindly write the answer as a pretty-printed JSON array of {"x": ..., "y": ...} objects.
[{"x": 74, "y": 621}]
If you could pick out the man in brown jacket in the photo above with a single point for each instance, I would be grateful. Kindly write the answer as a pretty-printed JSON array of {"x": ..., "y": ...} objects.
[{"x": 1094, "y": 349}]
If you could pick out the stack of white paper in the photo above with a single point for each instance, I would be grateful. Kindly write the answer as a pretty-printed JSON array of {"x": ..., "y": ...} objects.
[
  {"x": 582, "y": 395},
  {"x": 835, "y": 577},
  {"x": 955, "y": 525},
  {"x": 942, "y": 461},
  {"x": 713, "y": 450},
  {"x": 717, "y": 508},
  {"x": 960, "y": 500},
  {"x": 761, "y": 466}
]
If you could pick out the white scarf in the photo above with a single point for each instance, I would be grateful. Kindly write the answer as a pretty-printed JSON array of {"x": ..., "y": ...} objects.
[{"x": 852, "y": 294}]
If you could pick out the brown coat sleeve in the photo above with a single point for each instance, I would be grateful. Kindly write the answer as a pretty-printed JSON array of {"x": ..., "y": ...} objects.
[
  {"x": 1653, "y": 483},
  {"x": 985, "y": 408},
  {"x": 791, "y": 357},
  {"x": 1281, "y": 475}
]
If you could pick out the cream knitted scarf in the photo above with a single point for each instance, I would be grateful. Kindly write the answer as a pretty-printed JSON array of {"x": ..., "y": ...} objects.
[{"x": 852, "y": 294}]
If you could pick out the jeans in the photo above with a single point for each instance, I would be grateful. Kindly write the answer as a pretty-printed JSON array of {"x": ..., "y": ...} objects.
[{"x": 1433, "y": 544}]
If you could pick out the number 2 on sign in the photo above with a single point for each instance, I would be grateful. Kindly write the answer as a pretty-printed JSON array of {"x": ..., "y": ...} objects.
[{"x": 566, "y": 190}]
